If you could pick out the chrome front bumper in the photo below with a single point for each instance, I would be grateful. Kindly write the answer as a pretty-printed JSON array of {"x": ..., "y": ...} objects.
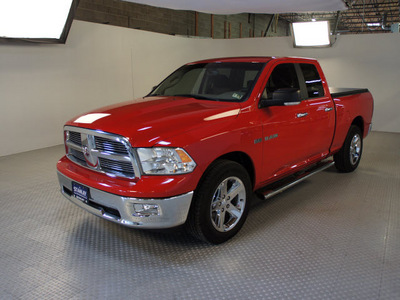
[{"x": 169, "y": 212}]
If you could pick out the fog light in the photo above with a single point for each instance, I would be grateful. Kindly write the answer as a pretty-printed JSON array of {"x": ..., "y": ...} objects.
[{"x": 145, "y": 210}]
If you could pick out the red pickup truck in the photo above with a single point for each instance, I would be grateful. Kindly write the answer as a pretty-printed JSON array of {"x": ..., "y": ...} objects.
[{"x": 206, "y": 139}]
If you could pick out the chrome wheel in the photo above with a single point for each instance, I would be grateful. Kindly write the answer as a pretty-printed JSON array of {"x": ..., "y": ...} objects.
[
  {"x": 355, "y": 149},
  {"x": 221, "y": 202},
  {"x": 228, "y": 204},
  {"x": 349, "y": 156}
]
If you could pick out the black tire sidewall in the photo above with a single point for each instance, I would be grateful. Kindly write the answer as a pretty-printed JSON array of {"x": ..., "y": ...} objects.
[
  {"x": 203, "y": 197},
  {"x": 342, "y": 158}
]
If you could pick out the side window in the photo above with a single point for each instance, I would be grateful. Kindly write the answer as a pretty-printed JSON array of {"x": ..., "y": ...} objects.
[
  {"x": 284, "y": 76},
  {"x": 313, "y": 81}
]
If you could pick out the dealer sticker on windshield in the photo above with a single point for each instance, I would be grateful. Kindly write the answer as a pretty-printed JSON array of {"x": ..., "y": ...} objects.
[
  {"x": 237, "y": 96},
  {"x": 80, "y": 192}
]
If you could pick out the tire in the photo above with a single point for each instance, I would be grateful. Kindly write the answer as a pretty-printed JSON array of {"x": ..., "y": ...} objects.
[
  {"x": 349, "y": 156},
  {"x": 221, "y": 202}
]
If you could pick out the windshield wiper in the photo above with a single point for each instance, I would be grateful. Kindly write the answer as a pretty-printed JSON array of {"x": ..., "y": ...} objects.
[
  {"x": 200, "y": 97},
  {"x": 153, "y": 95}
]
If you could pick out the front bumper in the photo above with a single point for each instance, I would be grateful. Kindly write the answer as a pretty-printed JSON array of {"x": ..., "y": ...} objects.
[{"x": 170, "y": 212}]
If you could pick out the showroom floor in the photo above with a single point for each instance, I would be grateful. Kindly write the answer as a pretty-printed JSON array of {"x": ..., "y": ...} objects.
[{"x": 335, "y": 236}]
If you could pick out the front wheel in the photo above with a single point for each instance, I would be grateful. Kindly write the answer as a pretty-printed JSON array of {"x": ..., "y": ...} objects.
[
  {"x": 349, "y": 156},
  {"x": 221, "y": 202}
]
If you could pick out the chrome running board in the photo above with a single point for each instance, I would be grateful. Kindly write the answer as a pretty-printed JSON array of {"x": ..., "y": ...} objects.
[{"x": 275, "y": 189}]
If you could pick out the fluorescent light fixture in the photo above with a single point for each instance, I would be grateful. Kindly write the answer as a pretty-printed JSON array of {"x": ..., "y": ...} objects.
[
  {"x": 311, "y": 34},
  {"x": 373, "y": 24},
  {"x": 36, "y": 20}
]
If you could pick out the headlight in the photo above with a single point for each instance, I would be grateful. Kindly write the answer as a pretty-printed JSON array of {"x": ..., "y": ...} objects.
[{"x": 165, "y": 161}]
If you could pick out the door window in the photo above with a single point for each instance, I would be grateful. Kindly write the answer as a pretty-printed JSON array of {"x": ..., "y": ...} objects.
[{"x": 284, "y": 76}]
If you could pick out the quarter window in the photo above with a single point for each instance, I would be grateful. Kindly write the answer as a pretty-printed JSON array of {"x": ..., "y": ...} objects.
[{"x": 313, "y": 81}]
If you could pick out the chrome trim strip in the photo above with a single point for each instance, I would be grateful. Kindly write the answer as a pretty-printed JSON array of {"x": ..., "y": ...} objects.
[
  {"x": 118, "y": 157},
  {"x": 291, "y": 103},
  {"x": 326, "y": 165},
  {"x": 72, "y": 145}
]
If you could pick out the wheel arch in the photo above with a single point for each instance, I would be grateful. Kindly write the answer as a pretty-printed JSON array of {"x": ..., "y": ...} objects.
[
  {"x": 359, "y": 122},
  {"x": 239, "y": 157},
  {"x": 244, "y": 160},
  {"x": 230, "y": 166}
]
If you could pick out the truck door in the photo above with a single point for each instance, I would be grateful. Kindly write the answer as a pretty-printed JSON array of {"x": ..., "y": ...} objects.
[
  {"x": 321, "y": 112},
  {"x": 295, "y": 135},
  {"x": 285, "y": 128}
]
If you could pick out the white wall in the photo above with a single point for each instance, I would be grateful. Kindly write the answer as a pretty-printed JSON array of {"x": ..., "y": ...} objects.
[{"x": 42, "y": 86}]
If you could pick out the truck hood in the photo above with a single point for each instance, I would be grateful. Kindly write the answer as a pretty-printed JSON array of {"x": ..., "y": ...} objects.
[{"x": 152, "y": 120}]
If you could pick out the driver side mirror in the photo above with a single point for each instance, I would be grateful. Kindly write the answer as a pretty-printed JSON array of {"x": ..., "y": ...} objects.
[{"x": 282, "y": 97}]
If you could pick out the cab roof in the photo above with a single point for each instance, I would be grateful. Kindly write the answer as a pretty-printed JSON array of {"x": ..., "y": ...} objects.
[{"x": 253, "y": 59}]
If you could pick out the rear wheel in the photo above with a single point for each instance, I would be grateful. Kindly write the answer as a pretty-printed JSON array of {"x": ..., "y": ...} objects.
[
  {"x": 349, "y": 156},
  {"x": 221, "y": 202}
]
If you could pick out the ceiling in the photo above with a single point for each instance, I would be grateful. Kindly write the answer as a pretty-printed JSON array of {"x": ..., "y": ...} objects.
[
  {"x": 358, "y": 18},
  {"x": 247, "y": 6},
  {"x": 345, "y": 16}
]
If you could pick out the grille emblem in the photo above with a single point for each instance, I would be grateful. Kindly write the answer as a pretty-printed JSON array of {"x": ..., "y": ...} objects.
[
  {"x": 86, "y": 151},
  {"x": 88, "y": 147}
]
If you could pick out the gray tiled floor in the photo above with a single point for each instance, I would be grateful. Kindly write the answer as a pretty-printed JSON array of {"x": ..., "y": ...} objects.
[{"x": 335, "y": 236}]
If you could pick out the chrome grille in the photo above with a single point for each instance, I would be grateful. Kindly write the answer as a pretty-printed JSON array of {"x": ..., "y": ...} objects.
[
  {"x": 113, "y": 166},
  {"x": 78, "y": 155},
  {"x": 75, "y": 137},
  {"x": 107, "y": 145},
  {"x": 102, "y": 152}
]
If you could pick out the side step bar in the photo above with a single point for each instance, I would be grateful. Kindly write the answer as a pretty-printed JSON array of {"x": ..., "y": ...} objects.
[{"x": 275, "y": 189}]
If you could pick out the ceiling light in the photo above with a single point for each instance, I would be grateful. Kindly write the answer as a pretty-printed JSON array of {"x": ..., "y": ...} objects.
[
  {"x": 373, "y": 24},
  {"x": 311, "y": 34},
  {"x": 39, "y": 19}
]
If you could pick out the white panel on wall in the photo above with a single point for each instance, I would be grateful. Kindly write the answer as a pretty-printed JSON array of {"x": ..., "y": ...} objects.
[{"x": 42, "y": 86}]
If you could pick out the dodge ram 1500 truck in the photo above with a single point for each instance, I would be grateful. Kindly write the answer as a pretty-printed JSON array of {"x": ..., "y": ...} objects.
[{"x": 208, "y": 138}]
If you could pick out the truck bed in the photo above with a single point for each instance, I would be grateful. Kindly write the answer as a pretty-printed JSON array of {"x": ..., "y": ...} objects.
[{"x": 341, "y": 92}]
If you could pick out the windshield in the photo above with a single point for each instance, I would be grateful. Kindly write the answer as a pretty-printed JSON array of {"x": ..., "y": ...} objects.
[{"x": 228, "y": 81}]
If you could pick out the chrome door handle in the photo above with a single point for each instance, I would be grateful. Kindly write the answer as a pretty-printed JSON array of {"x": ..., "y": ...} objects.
[
  {"x": 328, "y": 108},
  {"x": 302, "y": 115}
]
